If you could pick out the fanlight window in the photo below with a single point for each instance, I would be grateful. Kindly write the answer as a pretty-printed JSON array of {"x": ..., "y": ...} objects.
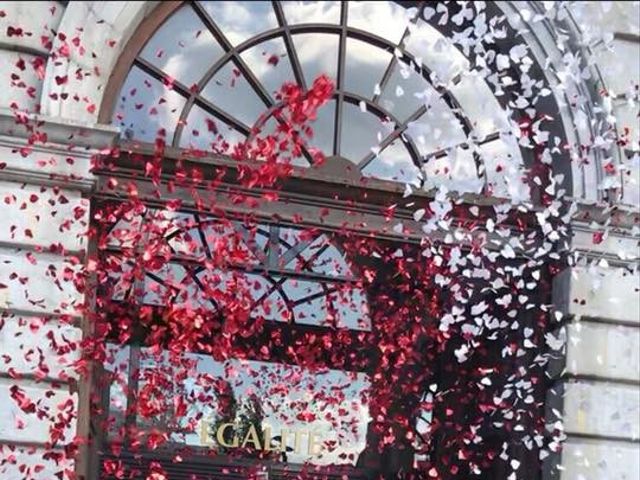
[
  {"x": 407, "y": 107},
  {"x": 290, "y": 275}
]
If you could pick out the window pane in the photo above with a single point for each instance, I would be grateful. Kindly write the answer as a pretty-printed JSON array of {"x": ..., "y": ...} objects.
[
  {"x": 360, "y": 132},
  {"x": 399, "y": 96},
  {"x": 204, "y": 131},
  {"x": 435, "y": 51},
  {"x": 480, "y": 106},
  {"x": 437, "y": 128},
  {"x": 126, "y": 232},
  {"x": 456, "y": 170},
  {"x": 146, "y": 106},
  {"x": 162, "y": 285},
  {"x": 329, "y": 260},
  {"x": 116, "y": 367},
  {"x": 240, "y": 21},
  {"x": 384, "y": 19},
  {"x": 631, "y": 181},
  {"x": 628, "y": 119},
  {"x": 364, "y": 67},
  {"x": 394, "y": 163},
  {"x": 270, "y": 127},
  {"x": 351, "y": 308},
  {"x": 183, "y": 47},
  {"x": 503, "y": 166},
  {"x": 311, "y": 12},
  {"x": 121, "y": 278},
  {"x": 318, "y": 54},
  {"x": 300, "y": 290},
  {"x": 269, "y": 62},
  {"x": 610, "y": 67},
  {"x": 319, "y": 256},
  {"x": 323, "y": 129},
  {"x": 230, "y": 91},
  {"x": 330, "y": 403}
]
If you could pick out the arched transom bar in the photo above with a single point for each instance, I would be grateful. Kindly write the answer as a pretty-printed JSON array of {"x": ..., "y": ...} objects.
[{"x": 408, "y": 106}]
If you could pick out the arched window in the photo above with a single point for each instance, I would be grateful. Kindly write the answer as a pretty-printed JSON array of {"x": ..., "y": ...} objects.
[
  {"x": 292, "y": 275},
  {"x": 414, "y": 104},
  {"x": 409, "y": 105}
]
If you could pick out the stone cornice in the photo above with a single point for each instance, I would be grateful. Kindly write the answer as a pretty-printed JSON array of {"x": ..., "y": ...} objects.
[
  {"x": 50, "y": 143},
  {"x": 60, "y": 132},
  {"x": 610, "y": 215}
]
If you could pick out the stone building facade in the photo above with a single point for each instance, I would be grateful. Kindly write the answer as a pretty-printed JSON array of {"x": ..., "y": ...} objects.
[{"x": 597, "y": 385}]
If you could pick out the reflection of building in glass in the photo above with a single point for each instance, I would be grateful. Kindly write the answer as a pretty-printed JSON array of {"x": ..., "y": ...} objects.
[{"x": 340, "y": 419}]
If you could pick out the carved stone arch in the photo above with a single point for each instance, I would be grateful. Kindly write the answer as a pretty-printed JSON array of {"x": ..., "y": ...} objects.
[
  {"x": 149, "y": 23},
  {"x": 120, "y": 21},
  {"x": 104, "y": 28},
  {"x": 541, "y": 38}
]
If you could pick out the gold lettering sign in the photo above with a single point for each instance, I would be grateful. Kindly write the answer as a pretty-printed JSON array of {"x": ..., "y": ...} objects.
[
  {"x": 220, "y": 436},
  {"x": 252, "y": 438}
]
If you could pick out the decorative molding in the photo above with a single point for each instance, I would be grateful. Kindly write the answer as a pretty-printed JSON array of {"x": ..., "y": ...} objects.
[
  {"x": 63, "y": 139},
  {"x": 59, "y": 131}
]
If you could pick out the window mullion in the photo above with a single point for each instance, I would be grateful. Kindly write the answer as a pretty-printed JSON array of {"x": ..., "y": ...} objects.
[
  {"x": 133, "y": 382},
  {"x": 342, "y": 54},
  {"x": 235, "y": 57},
  {"x": 394, "y": 60},
  {"x": 185, "y": 92},
  {"x": 272, "y": 252},
  {"x": 291, "y": 49},
  {"x": 398, "y": 131}
]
